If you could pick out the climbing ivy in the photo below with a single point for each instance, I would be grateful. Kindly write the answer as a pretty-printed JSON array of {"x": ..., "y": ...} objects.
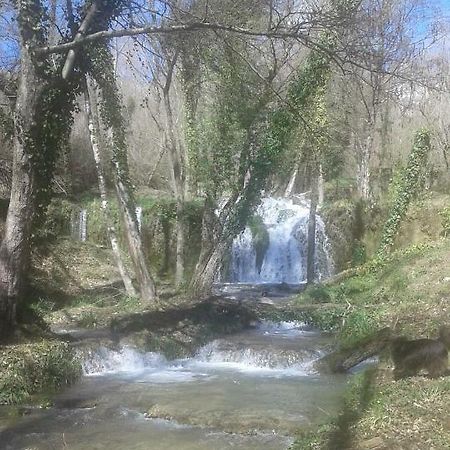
[
  {"x": 408, "y": 187},
  {"x": 53, "y": 116}
]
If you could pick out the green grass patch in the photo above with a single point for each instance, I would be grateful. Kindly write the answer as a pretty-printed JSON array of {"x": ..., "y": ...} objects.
[{"x": 30, "y": 368}]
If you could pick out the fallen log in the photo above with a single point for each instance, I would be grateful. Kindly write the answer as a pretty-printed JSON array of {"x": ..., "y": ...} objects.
[{"x": 343, "y": 359}]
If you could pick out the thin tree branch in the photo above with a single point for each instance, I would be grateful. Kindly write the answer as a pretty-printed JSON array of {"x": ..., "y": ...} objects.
[{"x": 194, "y": 26}]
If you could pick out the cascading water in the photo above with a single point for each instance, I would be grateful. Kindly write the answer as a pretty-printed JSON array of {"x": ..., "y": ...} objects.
[
  {"x": 284, "y": 258},
  {"x": 258, "y": 356},
  {"x": 78, "y": 225},
  {"x": 139, "y": 216}
]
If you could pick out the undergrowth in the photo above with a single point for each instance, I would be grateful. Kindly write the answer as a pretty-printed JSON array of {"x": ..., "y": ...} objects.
[{"x": 30, "y": 368}]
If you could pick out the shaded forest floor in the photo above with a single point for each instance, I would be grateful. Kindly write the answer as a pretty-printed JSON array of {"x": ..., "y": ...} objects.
[{"x": 410, "y": 293}]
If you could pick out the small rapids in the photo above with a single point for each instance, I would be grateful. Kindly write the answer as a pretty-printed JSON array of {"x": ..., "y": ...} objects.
[
  {"x": 232, "y": 354},
  {"x": 251, "y": 390}
]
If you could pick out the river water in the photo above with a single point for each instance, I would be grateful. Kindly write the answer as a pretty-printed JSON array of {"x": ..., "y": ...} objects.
[{"x": 248, "y": 391}]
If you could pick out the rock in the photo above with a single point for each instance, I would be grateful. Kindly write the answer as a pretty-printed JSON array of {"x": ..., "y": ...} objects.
[{"x": 373, "y": 443}]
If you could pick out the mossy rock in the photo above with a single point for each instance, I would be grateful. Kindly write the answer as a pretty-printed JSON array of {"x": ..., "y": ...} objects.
[{"x": 261, "y": 239}]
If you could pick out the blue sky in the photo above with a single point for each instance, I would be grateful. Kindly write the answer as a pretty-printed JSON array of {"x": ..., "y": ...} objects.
[{"x": 444, "y": 4}]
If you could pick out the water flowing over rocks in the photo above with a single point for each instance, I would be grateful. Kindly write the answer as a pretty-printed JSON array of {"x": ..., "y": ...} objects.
[
  {"x": 252, "y": 388},
  {"x": 284, "y": 260}
]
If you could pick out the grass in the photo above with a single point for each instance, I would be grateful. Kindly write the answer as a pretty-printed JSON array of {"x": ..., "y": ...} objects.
[
  {"x": 408, "y": 292},
  {"x": 30, "y": 368}
]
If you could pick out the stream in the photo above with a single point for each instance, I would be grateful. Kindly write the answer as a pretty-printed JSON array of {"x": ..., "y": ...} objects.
[{"x": 251, "y": 390}]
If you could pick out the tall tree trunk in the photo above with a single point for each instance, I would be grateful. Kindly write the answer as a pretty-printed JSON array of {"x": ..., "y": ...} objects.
[
  {"x": 178, "y": 179},
  {"x": 211, "y": 255},
  {"x": 364, "y": 166},
  {"x": 127, "y": 207},
  {"x": 114, "y": 121},
  {"x": 321, "y": 187},
  {"x": 311, "y": 251},
  {"x": 292, "y": 180},
  {"x": 206, "y": 270},
  {"x": 178, "y": 170},
  {"x": 15, "y": 248},
  {"x": 96, "y": 139}
]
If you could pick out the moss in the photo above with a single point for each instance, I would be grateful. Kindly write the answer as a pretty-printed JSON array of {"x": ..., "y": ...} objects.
[
  {"x": 260, "y": 237},
  {"x": 339, "y": 219},
  {"x": 30, "y": 368},
  {"x": 158, "y": 220}
]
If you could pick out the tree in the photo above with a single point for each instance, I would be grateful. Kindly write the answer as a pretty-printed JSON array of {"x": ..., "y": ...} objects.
[
  {"x": 98, "y": 148},
  {"x": 15, "y": 247},
  {"x": 384, "y": 54}
]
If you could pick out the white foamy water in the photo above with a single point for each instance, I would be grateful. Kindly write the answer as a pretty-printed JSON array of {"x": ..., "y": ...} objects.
[
  {"x": 286, "y": 329},
  {"x": 125, "y": 359},
  {"x": 221, "y": 355},
  {"x": 78, "y": 225},
  {"x": 153, "y": 367},
  {"x": 252, "y": 358},
  {"x": 285, "y": 258}
]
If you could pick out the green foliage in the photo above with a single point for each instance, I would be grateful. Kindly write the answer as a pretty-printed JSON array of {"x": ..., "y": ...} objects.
[
  {"x": 87, "y": 319},
  {"x": 42, "y": 307},
  {"x": 29, "y": 368},
  {"x": 408, "y": 187},
  {"x": 357, "y": 325},
  {"x": 359, "y": 256},
  {"x": 328, "y": 318},
  {"x": 317, "y": 293},
  {"x": 56, "y": 221},
  {"x": 313, "y": 440},
  {"x": 445, "y": 219}
]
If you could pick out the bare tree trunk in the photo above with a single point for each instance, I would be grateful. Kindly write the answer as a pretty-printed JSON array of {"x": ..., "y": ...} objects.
[
  {"x": 291, "y": 184},
  {"x": 15, "y": 248},
  {"x": 206, "y": 270},
  {"x": 321, "y": 187},
  {"x": 311, "y": 251},
  {"x": 127, "y": 209},
  {"x": 95, "y": 137}
]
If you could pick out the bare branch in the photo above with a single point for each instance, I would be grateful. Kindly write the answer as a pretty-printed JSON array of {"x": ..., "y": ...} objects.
[
  {"x": 285, "y": 33},
  {"x": 70, "y": 60}
]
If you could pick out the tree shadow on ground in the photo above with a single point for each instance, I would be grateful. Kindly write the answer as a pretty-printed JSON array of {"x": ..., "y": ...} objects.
[{"x": 341, "y": 437}]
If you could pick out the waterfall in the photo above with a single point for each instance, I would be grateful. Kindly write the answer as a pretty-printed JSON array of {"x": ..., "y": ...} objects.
[
  {"x": 139, "y": 217},
  {"x": 83, "y": 225},
  {"x": 284, "y": 258},
  {"x": 78, "y": 225}
]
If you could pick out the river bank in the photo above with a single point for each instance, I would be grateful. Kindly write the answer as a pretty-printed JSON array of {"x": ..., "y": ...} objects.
[{"x": 409, "y": 293}]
